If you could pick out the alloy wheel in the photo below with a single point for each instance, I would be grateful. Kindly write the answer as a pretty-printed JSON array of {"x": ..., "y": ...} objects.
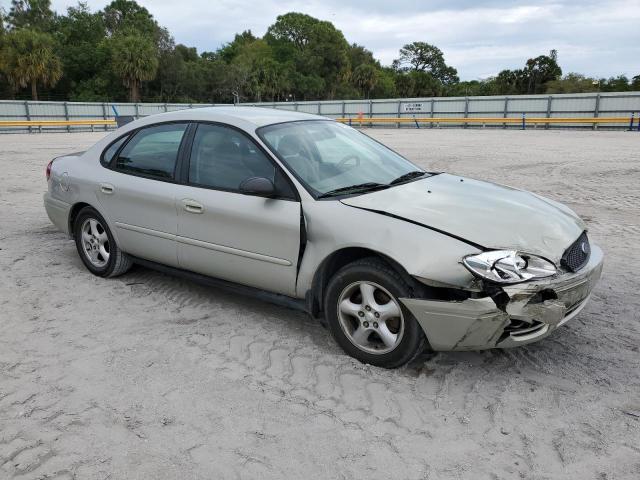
[
  {"x": 370, "y": 317},
  {"x": 95, "y": 242}
]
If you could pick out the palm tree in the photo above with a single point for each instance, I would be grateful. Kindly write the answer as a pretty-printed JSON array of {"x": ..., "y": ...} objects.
[
  {"x": 365, "y": 77},
  {"x": 29, "y": 58},
  {"x": 135, "y": 60}
]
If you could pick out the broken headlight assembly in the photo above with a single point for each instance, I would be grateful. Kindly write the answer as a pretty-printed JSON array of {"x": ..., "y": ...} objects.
[{"x": 508, "y": 266}]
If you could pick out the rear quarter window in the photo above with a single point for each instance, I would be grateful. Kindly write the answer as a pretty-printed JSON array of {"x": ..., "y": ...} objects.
[{"x": 111, "y": 150}]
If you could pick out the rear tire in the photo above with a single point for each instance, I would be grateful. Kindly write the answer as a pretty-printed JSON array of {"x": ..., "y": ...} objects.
[
  {"x": 96, "y": 245},
  {"x": 366, "y": 318}
]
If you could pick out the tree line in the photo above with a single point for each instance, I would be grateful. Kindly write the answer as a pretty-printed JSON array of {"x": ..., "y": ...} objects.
[{"x": 122, "y": 53}]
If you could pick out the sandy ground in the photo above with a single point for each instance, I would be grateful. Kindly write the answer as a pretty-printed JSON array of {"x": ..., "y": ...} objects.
[{"x": 149, "y": 376}]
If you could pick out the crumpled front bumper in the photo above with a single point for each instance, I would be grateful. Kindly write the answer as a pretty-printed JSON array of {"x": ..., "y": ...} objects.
[{"x": 533, "y": 310}]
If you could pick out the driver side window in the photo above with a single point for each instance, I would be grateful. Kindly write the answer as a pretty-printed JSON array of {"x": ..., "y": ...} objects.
[{"x": 222, "y": 158}]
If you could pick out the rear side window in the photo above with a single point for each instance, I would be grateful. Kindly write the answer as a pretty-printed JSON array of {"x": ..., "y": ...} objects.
[
  {"x": 152, "y": 151},
  {"x": 109, "y": 153}
]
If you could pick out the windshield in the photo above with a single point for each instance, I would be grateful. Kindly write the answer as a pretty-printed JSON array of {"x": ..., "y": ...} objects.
[{"x": 330, "y": 157}]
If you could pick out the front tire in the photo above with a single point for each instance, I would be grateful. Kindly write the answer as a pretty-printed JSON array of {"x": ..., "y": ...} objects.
[
  {"x": 96, "y": 245},
  {"x": 366, "y": 318}
]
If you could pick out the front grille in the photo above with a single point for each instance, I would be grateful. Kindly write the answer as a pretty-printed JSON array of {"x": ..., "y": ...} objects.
[{"x": 577, "y": 255}]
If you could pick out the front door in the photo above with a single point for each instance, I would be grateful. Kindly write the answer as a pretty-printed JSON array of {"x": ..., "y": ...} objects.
[{"x": 223, "y": 233}]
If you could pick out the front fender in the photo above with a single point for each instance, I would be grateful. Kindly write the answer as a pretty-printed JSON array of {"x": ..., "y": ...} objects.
[{"x": 431, "y": 257}]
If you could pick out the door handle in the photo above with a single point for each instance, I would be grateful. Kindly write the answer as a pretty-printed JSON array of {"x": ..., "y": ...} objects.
[
  {"x": 192, "y": 206},
  {"x": 106, "y": 188}
]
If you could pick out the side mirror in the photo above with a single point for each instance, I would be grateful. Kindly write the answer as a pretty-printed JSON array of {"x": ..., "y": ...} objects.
[{"x": 258, "y": 186}]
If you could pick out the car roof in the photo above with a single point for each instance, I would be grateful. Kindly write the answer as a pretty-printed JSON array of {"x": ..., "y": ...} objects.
[{"x": 235, "y": 115}]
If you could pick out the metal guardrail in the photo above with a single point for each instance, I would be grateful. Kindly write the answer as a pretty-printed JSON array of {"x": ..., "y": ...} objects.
[
  {"x": 55, "y": 123},
  {"x": 362, "y": 121},
  {"x": 615, "y": 110},
  {"x": 450, "y": 110},
  {"x": 76, "y": 116}
]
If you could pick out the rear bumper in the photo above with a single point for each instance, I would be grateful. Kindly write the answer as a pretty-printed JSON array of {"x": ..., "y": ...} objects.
[
  {"x": 58, "y": 212},
  {"x": 533, "y": 311}
]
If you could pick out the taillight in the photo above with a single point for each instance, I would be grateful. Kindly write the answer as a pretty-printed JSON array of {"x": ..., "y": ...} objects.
[{"x": 48, "y": 172}]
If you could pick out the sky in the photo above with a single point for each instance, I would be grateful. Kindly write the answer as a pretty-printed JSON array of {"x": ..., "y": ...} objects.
[{"x": 479, "y": 38}]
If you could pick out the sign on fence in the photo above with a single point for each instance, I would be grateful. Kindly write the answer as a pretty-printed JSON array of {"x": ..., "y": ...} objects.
[{"x": 414, "y": 107}]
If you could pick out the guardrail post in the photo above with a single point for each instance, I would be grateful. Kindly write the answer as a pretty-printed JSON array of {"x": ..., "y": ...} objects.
[
  {"x": 631, "y": 121},
  {"x": 523, "y": 120},
  {"x": 432, "y": 102},
  {"x": 66, "y": 116},
  {"x": 27, "y": 113},
  {"x": 295, "y": 106},
  {"x": 319, "y": 107},
  {"x": 166, "y": 107},
  {"x": 596, "y": 111},
  {"x": 104, "y": 115},
  {"x": 370, "y": 112},
  {"x": 466, "y": 111},
  {"x": 399, "y": 111},
  {"x": 506, "y": 111},
  {"x": 549, "y": 100},
  {"x": 137, "y": 111}
]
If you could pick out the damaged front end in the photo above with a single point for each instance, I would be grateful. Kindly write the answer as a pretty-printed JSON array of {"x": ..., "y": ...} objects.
[{"x": 506, "y": 316}]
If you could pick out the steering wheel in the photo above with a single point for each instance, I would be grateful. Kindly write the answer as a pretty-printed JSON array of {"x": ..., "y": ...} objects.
[{"x": 351, "y": 156}]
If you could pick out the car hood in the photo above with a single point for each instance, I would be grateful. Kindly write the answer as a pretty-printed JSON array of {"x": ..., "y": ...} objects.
[{"x": 485, "y": 214}]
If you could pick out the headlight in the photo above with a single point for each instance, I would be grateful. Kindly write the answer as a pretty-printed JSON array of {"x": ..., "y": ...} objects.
[{"x": 508, "y": 266}]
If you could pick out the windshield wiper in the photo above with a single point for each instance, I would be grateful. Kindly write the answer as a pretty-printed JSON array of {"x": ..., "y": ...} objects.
[
  {"x": 359, "y": 188},
  {"x": 407, "y": 176}
]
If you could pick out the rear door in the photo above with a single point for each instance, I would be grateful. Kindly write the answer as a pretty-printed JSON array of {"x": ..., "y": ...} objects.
[
  {"x": 223, "y": 233},
  {"x": 138, "y": 192}
]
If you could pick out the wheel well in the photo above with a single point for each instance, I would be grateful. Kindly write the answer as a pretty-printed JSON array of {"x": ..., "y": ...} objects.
[
  {"x": 73, "y": 214},
  {"x": 335, "y": 262}
]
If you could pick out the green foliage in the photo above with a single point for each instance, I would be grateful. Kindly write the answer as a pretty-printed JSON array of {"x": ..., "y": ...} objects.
[
  {"x": 32, "y": 14},
  {"x": 121, "y": 52},
  {"x": 423, "y": 57},
  {"x": 540, "y": 70},
  {"x": 421, "y": 71},
  {"x": 365, "y": 76},
  {"x": 572, "y": 83},
  {"x": 314, "y": 52},
  {"x": 84, "y": 57},
  {"x": 126, "y": 16},
  {"x": 535, "y": 77},
  {"x": 231, "y": 50},
  {"x": 294, "y": 28},
  {"x": 577, "y": 83},
  {"x": 615, "y": 84},
  {"x": 29, "y": 59},
  {"x": 134, "y": 59}
]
